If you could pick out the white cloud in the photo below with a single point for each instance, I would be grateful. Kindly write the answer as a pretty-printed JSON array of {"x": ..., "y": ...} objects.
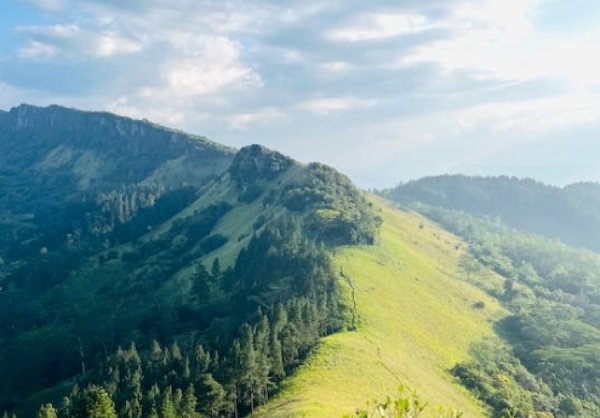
[
  {"x": 59, "y": 31},
  {"x": 37, "y": 50},
  {"x": 531, "y": 117},
  {"x": 108, "y": 44},
  {"x": 489, "y": 124},
  {"x": 201, "y": 67},
  {"x": 326, "y": 105},
  {"x": 241, "y": 121},
  {"x": 50, "y": 5},
  {"x": 161, "y": 113},
  {"x": 336, "y": 66},
  {"x": 377, "y": 26},
  {"x": 496, "y": 39},
  {"x": 72, "y": 40}
]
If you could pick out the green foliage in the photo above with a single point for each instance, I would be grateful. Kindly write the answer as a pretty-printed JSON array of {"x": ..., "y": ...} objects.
[
  {"x": 414, "y": 321},
  {"x": 502, "y": 382},
  {"x": 404, "y": 406},
  {"x": 271, "y": 325},
  {"x": 554, "y": 293},
  {"x": 47, "y": 411},
  {"x": 255, "y": 164},
  {"x": 92, "y": 402},
  {"x": 70, "y": 173},
  {"x": 337, "y": 212}
]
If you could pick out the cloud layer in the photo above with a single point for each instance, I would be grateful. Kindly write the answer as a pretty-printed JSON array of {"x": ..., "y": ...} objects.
[{"x": 382, "y": 90}]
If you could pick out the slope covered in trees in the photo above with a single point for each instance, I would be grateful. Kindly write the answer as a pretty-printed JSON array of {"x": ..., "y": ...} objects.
[
  {"x": 571, "y": 213},
  {"x": 188, "y": 279},
  {"x": 67, "y": 173}
]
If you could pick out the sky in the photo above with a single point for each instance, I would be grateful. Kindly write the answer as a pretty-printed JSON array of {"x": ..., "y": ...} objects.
[{"x": 385, "y": 91}]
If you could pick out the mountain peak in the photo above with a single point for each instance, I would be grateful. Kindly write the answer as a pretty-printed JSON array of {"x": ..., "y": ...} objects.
[{"x": 256, "y": 162}]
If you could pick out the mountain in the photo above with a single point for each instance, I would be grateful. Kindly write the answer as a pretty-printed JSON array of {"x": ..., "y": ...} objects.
[
  {"x": 145, "y": 272},
  {"x": 571, "y": 213},
  {"x": 120, "y": 232},
  {"x": 65, "y": 171}
]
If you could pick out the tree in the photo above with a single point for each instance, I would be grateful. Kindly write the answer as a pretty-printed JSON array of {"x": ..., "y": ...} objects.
[
  {"x": 215, "y": 269},
  {"x": 47, "y": 411},
  {"x": 509, "y": 289},
  {"x": 93, "y": 402},
  {"x": 263, "y": 362},
  {"x": 249, "y": 366},
  {"x": 214, "y": 401},
  {"x": 189, "y": 404},
  {"x": 167, "y": 407}
]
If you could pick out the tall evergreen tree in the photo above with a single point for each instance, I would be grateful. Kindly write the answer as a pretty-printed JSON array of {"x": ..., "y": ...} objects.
[
  {"x": 47, "y": 411},
  {"x": 93, "y": 402}
]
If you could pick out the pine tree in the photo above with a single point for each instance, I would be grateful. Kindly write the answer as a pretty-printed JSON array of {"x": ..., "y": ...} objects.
[
  {"x": 167, "y": 408},
  {"x": 94, "y": 402},
  {"x": 249, "y": 366},
  {"x": 215, "y": 270},
  {"x": 47, "y": 411},
  {"x": 263, "y": 362},
  {"x": 189, "y": 404},
  {"x": 278, "y": 323},
  {"x": 214, "y": 399},
  {"x": 152, "y": 399}
]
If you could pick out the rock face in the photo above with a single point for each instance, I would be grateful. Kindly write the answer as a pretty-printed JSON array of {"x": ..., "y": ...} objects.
[{"x": 255, "y": 163}]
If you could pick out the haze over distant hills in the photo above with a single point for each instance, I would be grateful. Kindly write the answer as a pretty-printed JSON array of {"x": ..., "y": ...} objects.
[{"x": 570, "y": 213}]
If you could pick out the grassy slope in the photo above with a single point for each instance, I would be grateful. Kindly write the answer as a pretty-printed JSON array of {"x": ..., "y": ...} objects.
[{"x": 416, "y": 320}]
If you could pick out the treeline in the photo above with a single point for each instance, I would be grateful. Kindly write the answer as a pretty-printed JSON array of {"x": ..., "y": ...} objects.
[{"x": 177, "y": 382}]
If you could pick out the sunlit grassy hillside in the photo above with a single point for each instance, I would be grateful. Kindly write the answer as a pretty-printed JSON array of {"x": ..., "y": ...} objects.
[{"x": 416, "y": 319}]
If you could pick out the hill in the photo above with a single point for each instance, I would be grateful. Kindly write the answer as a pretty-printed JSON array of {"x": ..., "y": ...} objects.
[
  {"x": 417, "y": 316},
  {"x": 63, "y": 170},
  {"x": 550, "y": 289},
  {"x": 569, "y": 213},
  {"x": 178, "y": 246}
]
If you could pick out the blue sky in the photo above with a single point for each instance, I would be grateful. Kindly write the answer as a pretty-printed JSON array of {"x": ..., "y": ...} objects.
[{"x": 385, "y": 91}]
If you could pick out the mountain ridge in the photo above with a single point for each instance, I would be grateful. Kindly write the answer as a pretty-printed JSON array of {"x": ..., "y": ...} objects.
[{"x": 569, "y": 213}]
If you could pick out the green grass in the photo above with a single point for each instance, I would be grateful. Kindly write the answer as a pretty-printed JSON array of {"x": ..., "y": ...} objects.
[{"x": 416, "y": 320}]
